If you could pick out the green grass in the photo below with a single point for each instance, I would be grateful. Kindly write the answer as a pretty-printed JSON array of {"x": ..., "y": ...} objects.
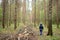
[
  {"x": 49, "y": 38},
  {"x": 56, "y": 34}
]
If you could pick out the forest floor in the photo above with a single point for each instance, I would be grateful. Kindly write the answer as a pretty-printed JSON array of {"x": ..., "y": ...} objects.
[{"x": 56, "y": 34}]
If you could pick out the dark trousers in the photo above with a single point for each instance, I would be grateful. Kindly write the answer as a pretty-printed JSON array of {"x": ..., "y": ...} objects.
[{"x": 40, "y": 32}]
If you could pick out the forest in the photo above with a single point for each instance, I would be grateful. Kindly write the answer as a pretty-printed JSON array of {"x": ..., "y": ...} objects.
[{"x": 21, "y": 19}]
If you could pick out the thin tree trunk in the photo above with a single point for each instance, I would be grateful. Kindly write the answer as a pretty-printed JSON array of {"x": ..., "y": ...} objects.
[
  {"x": 24, "y": 11},
  {"x": 10, "y": 14},
  {"x": 34, "y": 11},
  {"x": 38, "y": 12},
  {"x": 50, "y": 18},
  {"x": 3, "y": 22},
  {"x": 45, "y": 12},
  {"x": 15, "y": 18},
  {"x": 57, "y": 14},
  {"x": 18, "y": 11},
  {"x": 35, "y": 15},
  {"x": 7, "y": 13}
]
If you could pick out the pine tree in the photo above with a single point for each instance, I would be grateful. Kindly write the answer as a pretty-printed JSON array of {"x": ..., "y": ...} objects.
[
  {"x": 15, "y": 18},
  {"x": 34, "y": 12},
  {"x": 24, "y": 11},
  {"x": 57, "y": 14},
  {"x": 4, "y": 7},
  {"x": 50, "y": 18}
]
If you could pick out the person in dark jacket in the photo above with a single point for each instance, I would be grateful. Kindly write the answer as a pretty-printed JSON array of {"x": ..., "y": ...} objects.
[{"x": 41, "y": 29}]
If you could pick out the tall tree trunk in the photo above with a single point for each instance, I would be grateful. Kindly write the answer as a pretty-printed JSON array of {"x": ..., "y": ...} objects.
[
  {"x": 19, "y": 12},
  {"x": 15, "y": 18},
  {"x": 7, "y": 8},
  {"x": 4, "y": 5},
  {"x": 34, "y": 12},
  {"x": 38, "y": 12},
  {"x": 24, "y": 11},
  {"x": 10, "y": 13},
  {"x": 57, "y": 14},
  {"x": 35, "y": 15},
  {"x": 45, "y": 12},
  {"x": 50, "y": 18}
]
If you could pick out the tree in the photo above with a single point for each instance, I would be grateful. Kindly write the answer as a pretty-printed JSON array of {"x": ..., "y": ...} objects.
[
  {"x": 57, "y": 14},
  {"x": 19, "y": 12},
  {"x": 50, "y": 18},
  {"x": 45, "y": 11},
  {"x": 15, "y": 18},
  {"x": 4, "y": 7},
  {"x": 10, "y": 13},
  {"x": 38, "y": 12},
  {"x": 59, "y": 11},
  {"x": 24, "y": 11},
  {"x": 34, "y": 11},
  {"x": 7, "y": 17}
]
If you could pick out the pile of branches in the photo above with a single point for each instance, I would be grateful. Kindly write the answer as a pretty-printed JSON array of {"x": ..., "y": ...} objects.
[{"x": 27, "y": 33}]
